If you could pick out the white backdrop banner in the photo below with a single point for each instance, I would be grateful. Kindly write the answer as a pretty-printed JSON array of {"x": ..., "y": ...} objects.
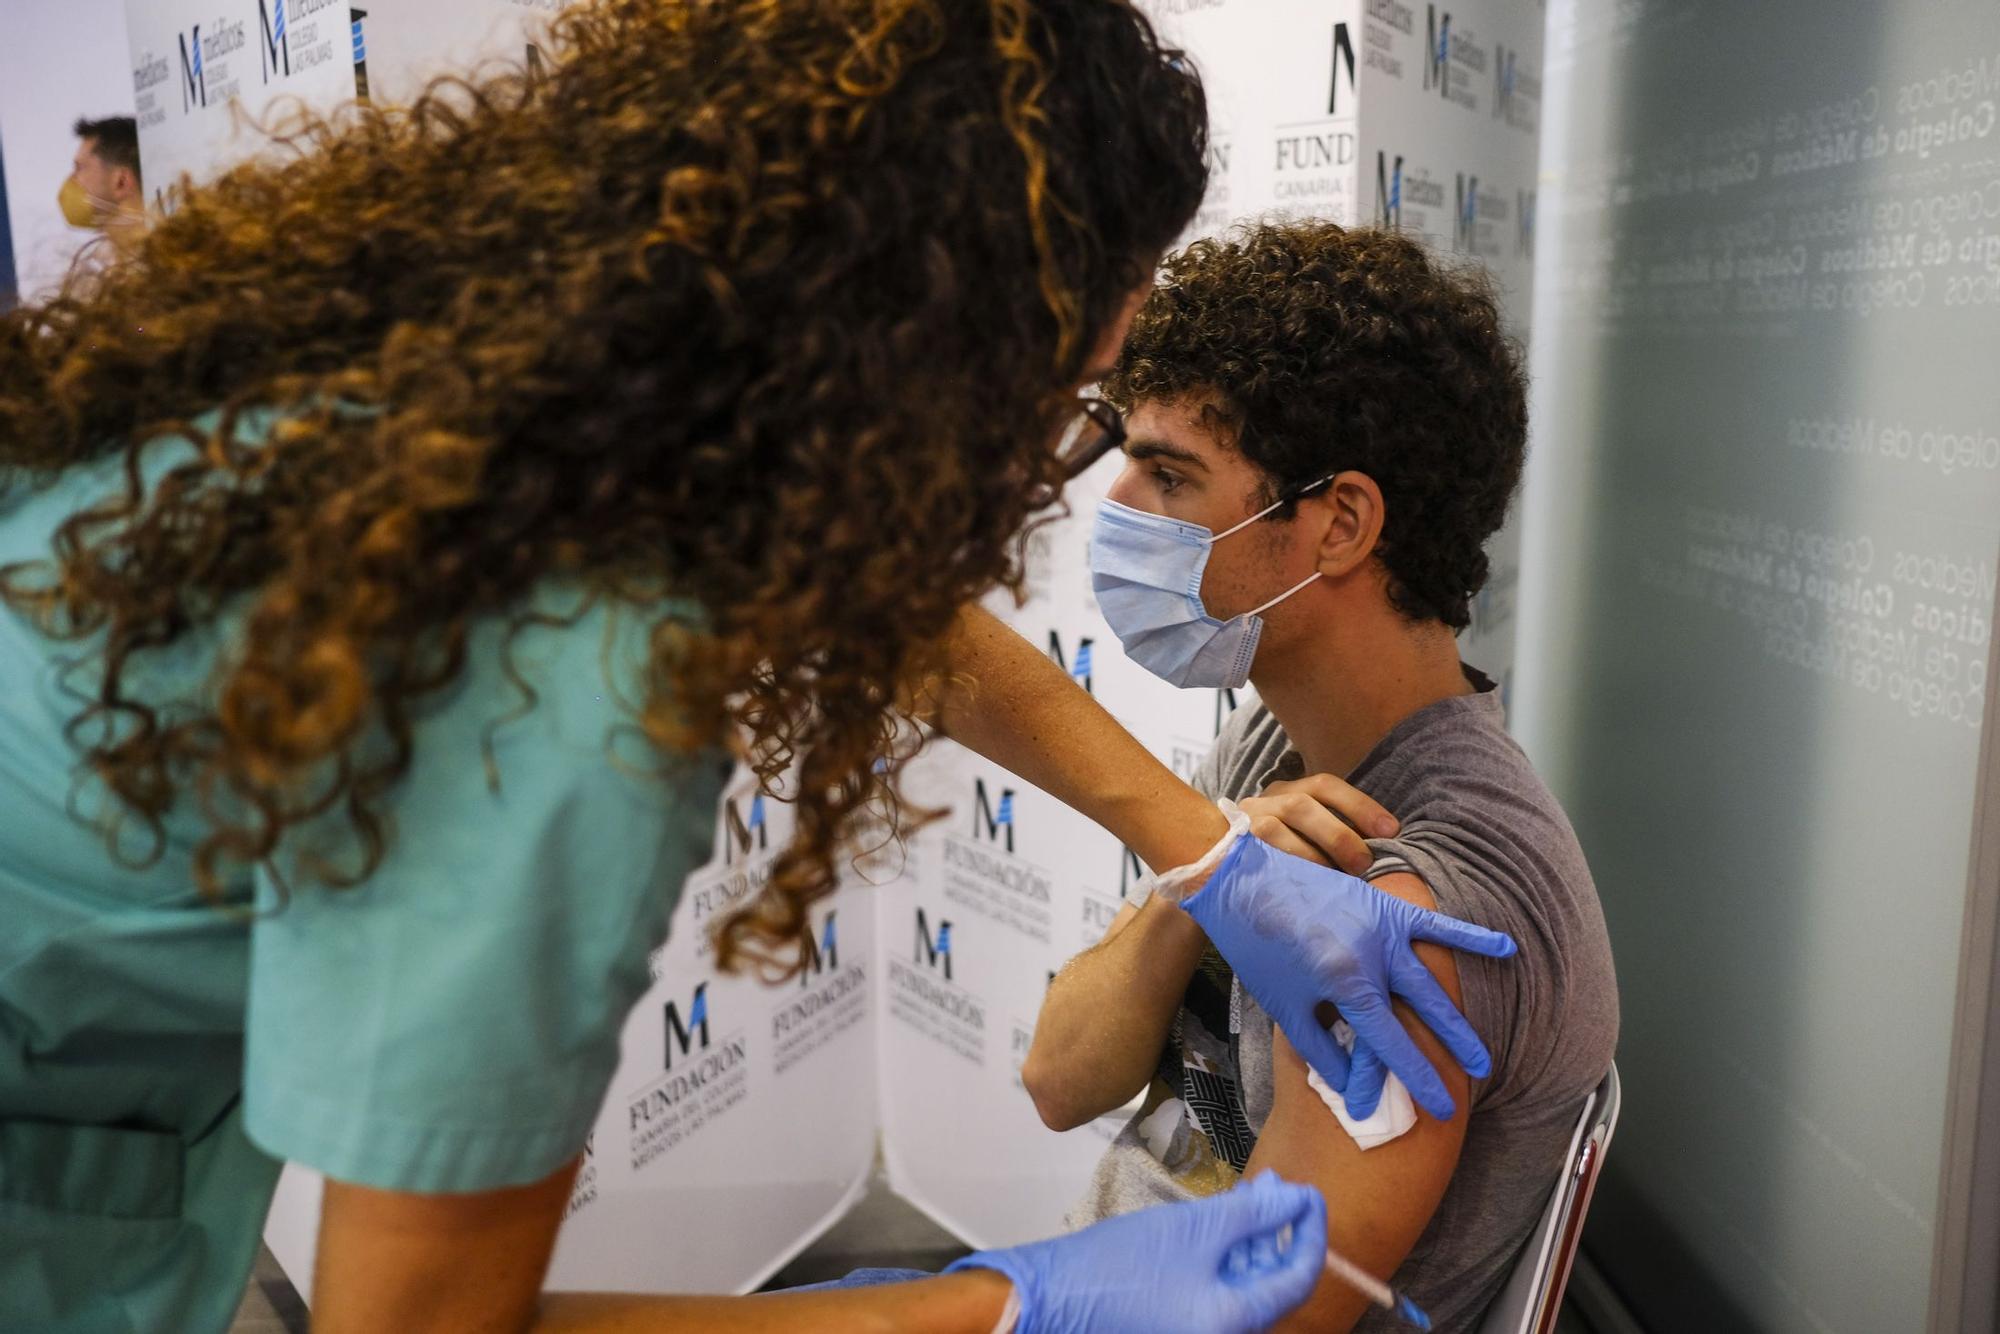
[
  {"x": 741, "y": 1121},
  {"x": 205, "y": 72},
  {"x": 996, "y": 897},
  {"x": 410, "y": 42}
]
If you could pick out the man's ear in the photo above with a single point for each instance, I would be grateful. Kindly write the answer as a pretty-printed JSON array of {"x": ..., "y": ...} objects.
[
  {"x": 124, "y": 184},
  {"x": 1352, "y": 503}
]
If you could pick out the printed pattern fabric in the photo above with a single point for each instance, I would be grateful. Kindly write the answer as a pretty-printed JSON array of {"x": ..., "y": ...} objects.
[{"x": 1201, "y": 1065}]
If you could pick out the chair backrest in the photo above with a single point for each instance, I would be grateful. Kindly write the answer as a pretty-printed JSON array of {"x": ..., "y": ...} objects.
[{"x": 1534, "y": 1291}]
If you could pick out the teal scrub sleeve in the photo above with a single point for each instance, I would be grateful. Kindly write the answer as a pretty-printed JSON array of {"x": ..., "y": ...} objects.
[{"x": 451, "y": 1024}]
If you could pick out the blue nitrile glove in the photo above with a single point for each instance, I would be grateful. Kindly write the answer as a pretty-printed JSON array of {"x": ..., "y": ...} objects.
[
  {"x": 1298, "y": 933},
  {"x": 1211, "y": 1266},
  {"x": 1366, "y": 1076}
]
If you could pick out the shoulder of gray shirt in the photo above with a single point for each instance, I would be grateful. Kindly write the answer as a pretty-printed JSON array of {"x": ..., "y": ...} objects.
[{"x": 1492, "y": 844}]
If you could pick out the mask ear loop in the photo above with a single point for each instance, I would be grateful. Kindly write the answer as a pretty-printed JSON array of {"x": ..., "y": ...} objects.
[
  {"x": 1277, "y": 504},
  {"x": 1300, "y": 494},
  {"x": 1287, "y": 593}
]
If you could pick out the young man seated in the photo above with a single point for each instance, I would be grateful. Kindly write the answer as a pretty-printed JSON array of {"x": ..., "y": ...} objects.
[{"x": 1365, "y": 396}]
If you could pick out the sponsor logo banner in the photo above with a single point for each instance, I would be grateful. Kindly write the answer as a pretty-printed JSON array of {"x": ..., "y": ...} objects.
[{"x": 925, "y": 997}]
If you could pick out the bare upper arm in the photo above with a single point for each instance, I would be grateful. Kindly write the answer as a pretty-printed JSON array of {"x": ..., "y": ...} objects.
[
  {"x": 398, "y": 1260},
  {"x": 1379, "y": 1200}
]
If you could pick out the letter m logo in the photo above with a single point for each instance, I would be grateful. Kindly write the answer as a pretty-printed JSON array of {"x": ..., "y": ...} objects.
[
  {"x": 989, "y": 820},
  {"x": 1388, "y": 190},
  {"x": 277, "y": 51},
  {"x": 194, "y": 83},
  {"x": 683, "y": 1035},
  {"x": 1343, "y": 58},
  {"x": 931, "y": 949},
  {"x": 1465, "y": 227},
  {"x": 1437, "y": 51},
  {"x": 1130, "y": 872},
  {"x": 742, "y": 836},
  {"x": 1079, "y": 668},
  {"x": 356, "y": 17},
  {"x": 823, "y": 953}
]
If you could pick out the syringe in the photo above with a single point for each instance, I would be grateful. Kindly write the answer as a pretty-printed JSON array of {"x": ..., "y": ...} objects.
[{"x": 1374, "y": 1289}]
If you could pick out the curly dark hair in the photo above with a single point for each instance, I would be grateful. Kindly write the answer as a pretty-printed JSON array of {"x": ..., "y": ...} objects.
[
  {"x": 1318, "y": 349},
  {"x": 770, "y": 303}
]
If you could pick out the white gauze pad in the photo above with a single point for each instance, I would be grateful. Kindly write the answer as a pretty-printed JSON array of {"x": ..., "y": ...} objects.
[{"x": 1393, "y": 1117}]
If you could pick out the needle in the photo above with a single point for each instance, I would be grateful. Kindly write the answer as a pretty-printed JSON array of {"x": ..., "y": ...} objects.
[{"x": 1374, "y": 1289}]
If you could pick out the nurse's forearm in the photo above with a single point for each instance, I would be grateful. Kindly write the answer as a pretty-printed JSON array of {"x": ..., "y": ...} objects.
[
  {"x": 969, "y": 1301},
  {"x": 402, "y": 1260},
  {"x": 1009, "y": 702}
]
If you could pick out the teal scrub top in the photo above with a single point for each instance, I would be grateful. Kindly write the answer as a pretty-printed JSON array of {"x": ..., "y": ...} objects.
[{"x": 450, "y": 1024}]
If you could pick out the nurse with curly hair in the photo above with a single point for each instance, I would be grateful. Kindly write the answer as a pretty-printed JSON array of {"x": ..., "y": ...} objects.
[{"x": 405, "y": 539}]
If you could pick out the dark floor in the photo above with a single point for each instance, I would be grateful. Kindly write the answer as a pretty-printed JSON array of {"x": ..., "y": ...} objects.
[{"x": 882, "y": 1231}]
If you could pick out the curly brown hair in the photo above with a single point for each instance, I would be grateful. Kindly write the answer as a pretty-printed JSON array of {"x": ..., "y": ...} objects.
[
  {"x": 770, "y": 303},
  {"x": 1318, "y": 349}
]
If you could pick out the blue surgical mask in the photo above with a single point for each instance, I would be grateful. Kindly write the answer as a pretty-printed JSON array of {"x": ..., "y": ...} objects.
[{"x": 1146, "y": 570}]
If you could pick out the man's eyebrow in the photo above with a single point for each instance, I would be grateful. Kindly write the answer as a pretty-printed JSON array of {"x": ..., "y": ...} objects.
[{"x": 1143, "y": 449}]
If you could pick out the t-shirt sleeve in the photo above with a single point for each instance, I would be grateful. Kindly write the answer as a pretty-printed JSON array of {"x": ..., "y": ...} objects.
[
  {"x": 1228, "y": 766},
  {"x": 1488, "y": 988},
  {"x": 452, "y": 1022}
]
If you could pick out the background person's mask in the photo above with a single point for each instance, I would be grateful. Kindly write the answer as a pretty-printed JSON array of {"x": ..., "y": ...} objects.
[
  {"x": 1146, "y": 570},
  {"x": 79, "y": 207}
]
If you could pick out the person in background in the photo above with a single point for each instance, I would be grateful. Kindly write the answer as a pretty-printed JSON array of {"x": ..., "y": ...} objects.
[{"x": 104, "y": 190}]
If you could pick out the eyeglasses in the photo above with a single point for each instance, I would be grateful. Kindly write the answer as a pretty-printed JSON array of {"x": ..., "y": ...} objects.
[{"x": 1097, "y": 429}]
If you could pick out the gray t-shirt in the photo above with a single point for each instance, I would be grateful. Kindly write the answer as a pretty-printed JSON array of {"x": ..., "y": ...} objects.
[{"x": 1484, "y": 833}]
